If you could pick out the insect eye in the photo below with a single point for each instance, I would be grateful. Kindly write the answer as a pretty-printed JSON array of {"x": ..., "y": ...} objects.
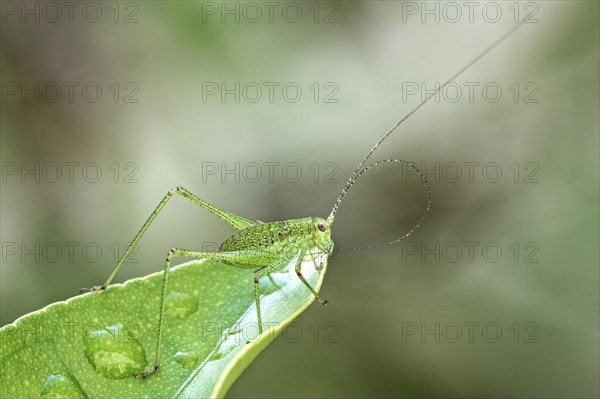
[{"x": 321, "y": 226}]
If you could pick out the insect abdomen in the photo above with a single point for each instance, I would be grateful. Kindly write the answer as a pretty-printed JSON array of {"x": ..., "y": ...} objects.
[{"x": 267, "y": 236}]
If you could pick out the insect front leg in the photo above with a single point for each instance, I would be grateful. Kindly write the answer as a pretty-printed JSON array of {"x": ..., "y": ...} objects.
[
  {"x": 323, "y": 302},
  {"x": 318, "y": 260},
  {"x": 234, "y": 257}
]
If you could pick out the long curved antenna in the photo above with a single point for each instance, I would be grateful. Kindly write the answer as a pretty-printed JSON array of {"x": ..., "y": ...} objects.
[
  {"x": 357, "y": 171},
  {"x": 416, "y": 226}
]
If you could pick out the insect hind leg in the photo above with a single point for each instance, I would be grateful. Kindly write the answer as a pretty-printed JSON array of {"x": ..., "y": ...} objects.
[{"x": 238, "y": 222}]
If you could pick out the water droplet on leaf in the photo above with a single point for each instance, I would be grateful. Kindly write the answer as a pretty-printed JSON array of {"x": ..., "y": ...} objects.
[
  {"x": 273, "y": 282},
  {"x": 180, "y": 304},
  {"x": 186, "y": 360},
  {"x": 61, "y": 386},
  {"x": 114, "y": 352}
]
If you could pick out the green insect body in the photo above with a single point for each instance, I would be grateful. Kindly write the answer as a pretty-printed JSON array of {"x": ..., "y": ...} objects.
[
  {"x": 265, "y": 247},
  {"x": 277, "y": 238}
]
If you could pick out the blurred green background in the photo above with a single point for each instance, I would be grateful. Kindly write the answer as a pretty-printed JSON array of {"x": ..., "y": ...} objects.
[{"x": 423, "y": 319}]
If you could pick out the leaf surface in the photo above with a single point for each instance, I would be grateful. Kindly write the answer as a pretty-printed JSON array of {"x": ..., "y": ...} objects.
[{"x": 90, "y": 345}]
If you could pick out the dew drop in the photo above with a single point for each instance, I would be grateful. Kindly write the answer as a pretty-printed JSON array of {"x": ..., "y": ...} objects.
[
  {"x": 61, "y": 386},
  {"x": 273, "y": 282},
  {"x": 232, "y": 342},
  {"x": 186, "y": 360},
  {"x": 114, "y": 352},
  {"x": 180, "y": 305}
]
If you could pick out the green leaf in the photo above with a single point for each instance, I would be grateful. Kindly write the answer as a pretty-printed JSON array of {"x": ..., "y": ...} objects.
[{"x": 90, "y": 345}]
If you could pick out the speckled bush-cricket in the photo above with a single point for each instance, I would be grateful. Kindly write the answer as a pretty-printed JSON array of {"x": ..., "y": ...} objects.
[{"x": 265, "y": 247}]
